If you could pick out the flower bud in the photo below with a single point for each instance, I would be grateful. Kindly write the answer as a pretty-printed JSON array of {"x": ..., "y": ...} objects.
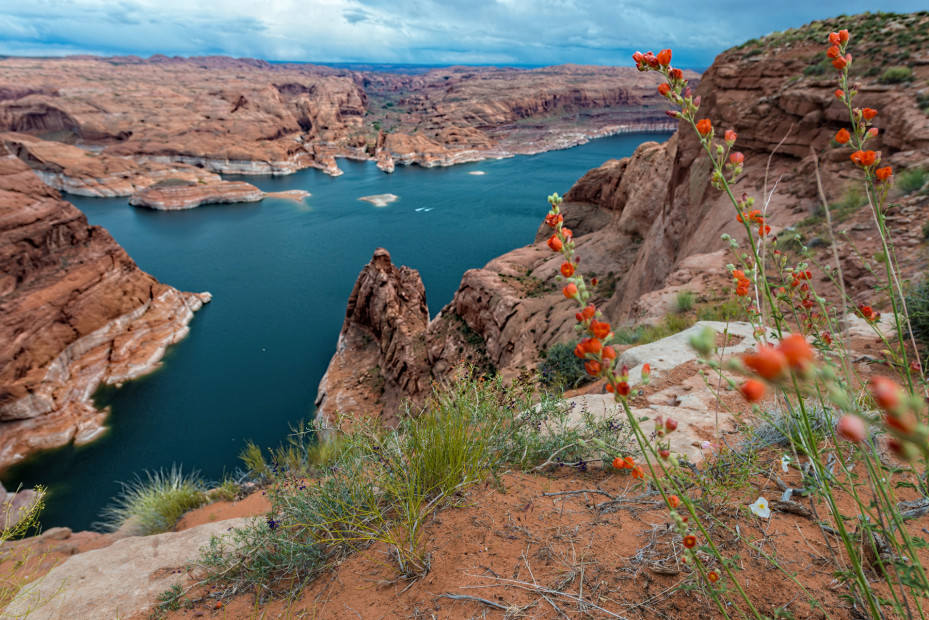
[
  {"x": 852, "y": 428},
  {"x": 703, "y": 341}
]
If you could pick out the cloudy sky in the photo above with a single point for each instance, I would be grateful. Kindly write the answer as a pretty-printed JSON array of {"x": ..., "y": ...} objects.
[{"x": 534, "y": 32}]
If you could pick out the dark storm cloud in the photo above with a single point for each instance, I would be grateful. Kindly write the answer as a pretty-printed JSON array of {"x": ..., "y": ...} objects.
[{"x": 417, "y": 31}]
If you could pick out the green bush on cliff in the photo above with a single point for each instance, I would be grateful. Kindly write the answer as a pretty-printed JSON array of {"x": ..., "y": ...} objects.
[
  {"x": 561, "y": 369},
  {"x": 896, "y": 75},
  {"x": 154, "y": 504}
]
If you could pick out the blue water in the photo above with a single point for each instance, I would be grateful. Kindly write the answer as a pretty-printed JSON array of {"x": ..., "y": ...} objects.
[{"x": 280, "y": 274}]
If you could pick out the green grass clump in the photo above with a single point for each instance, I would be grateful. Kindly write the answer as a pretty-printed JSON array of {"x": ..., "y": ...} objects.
[
  {"x": 896, "y": 75},
  {"x": 153, "y": 505},
  {"x": 684, "y": 301},
  {"x": 561, "y": 369},
  {"x": 912, "y": 180},
  {"x": 724, "y": 311}
]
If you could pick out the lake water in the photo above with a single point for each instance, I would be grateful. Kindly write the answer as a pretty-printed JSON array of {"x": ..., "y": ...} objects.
[{"x": 280, "y": 273}]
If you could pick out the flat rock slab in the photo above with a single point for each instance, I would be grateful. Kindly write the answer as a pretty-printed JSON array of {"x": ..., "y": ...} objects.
[
  {"x": 668, "y": 353},
  {"x": 118, "y": 581}
]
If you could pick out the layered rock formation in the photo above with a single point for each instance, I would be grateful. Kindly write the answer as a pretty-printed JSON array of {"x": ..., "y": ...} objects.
[
  {"x": 379, "y": 358},
  {"x": 86, "y": 172},
  {"x": 250, "y": 117},
  {"x": 75, "y": 312},
  {"x": 650, "y": 224},
  {"x": 184, "y": 195}
]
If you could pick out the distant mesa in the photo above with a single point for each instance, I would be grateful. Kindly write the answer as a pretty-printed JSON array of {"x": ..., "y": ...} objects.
[{"x": 380, "y": 200}]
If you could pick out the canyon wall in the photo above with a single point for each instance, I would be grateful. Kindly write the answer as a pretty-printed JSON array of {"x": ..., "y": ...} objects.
[
  {"x": 75, "y": 312},
  {"x": 137, "y": 121},
  {"x": 650, "y": 225}
]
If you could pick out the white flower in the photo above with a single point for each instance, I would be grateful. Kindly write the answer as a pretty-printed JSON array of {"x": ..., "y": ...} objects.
[
  {"x": 785, "y": 460},
  {"x": 760, "y": 508}
]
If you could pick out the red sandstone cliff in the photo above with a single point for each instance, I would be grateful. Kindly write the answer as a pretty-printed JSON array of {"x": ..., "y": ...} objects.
[
  {"x": 75, "y": 312},
  {"x": 141, "y": 117},
  {"x": 650, "y": 224}
]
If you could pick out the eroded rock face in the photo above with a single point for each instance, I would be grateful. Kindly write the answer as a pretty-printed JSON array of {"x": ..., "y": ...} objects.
[
  {"x": 75, "y": 312},
  {"x": 86, "y": 173},
  {"x": 379, "y": 357}
]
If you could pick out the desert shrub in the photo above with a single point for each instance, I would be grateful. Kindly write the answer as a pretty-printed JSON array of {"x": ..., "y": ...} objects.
[
  {"x": 723, "y": 311},
  {"x": 224, "y": 492},
  {"x": 684, "y": 301},
  {"x": 922, "y": 101},
  {"x": 896, "y": 75},
  {"x": 561, "y": 369},
  {"x": 17, "y": 569},
  {"x": 917, "y": 304},
  {"x": 912, "y": 180},
  {"x": 154, "y": 504}
]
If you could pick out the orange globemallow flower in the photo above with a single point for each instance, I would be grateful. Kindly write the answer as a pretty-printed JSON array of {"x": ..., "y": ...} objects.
[
  {"x": 712, "y": 576},
  {"x": 842, "y": 137},
  {"x": 839, "y": 94},
  {"x": 864, "y": 158},
  {"x": 570, "y": 291},
  {"x": 600, "y": 329},
  {"x": 797, "y": 350},
  {"x": 884, "y": 173},
  {"x": 609, "y": 353},
  {"x": 834, "y": 38},
  {"x": 767, "y": 362},
  {"x": 567, "y": 270},
  {"x": 753, "y": 390},
  {"x": 737, "y": 158},
  {"x": 886, "y": 393},
  {"x": 833, "y": 52},
  {"x": 555, "y": 243},
  {"x": 730, "y": 136},
  {"x": 851, "y": 427},
  {"x": 586, "y": 314},
  {"x": 567, "y": 234},
  {"x": 840, "y": 63},
  {"x": 664, "y": 58},
  {"x": 663, "y": 89},
  {"x": 869, "y": 113},
  {"x": 674, "y": 501},
  {"x": 690, "y": 541},
  {"x": 592, "y": 367},
  {"x": 704, "y": 126},
  {"x": 553, "y": 219},
  {"x": 623, "y": 389},
  {"x": 638, "y": 473}
]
